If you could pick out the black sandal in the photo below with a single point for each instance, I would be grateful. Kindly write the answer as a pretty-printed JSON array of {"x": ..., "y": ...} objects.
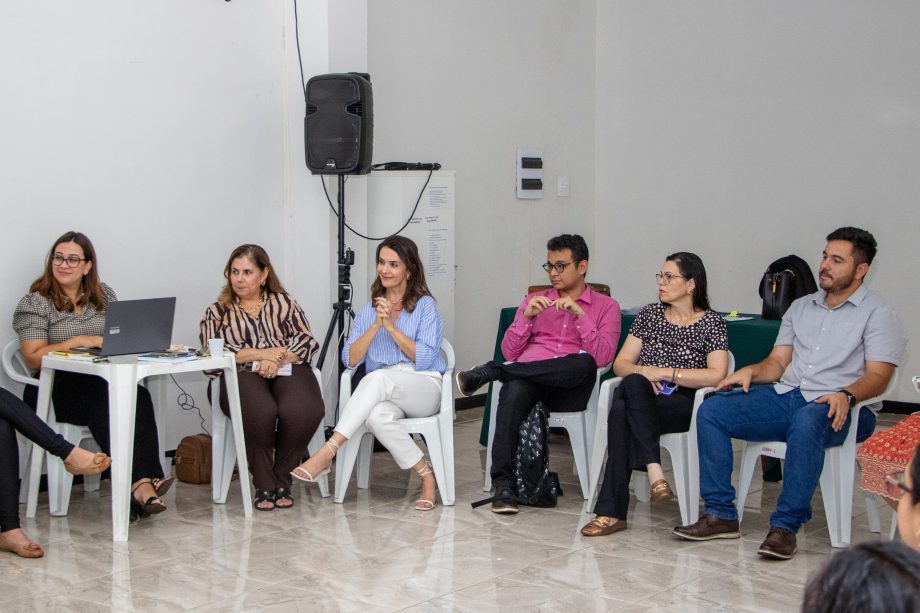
[
  {"x": 152, "y": 505},
  {"x": 137, "y": 511},
  {"x": 162, "y": 485},
  {"x": 283, "y": 494},
  {"x": 264, "y": 496}
]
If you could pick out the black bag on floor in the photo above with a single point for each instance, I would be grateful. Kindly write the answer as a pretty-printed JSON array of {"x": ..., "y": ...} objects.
[
  {"x": 534, "y": 484},
  {"x": 784, "y": 281}
]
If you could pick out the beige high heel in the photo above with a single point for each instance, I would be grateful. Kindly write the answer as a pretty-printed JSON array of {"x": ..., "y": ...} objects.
[
  {"x": 304, "y": 474},
  {"x": 423, "y": 504}
]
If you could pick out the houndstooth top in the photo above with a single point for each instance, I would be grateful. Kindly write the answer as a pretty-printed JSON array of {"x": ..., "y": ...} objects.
[{"x": 36, "y": 319}]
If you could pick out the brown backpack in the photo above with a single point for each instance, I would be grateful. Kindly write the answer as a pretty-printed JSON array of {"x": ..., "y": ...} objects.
[{"x": 193, "y": 459}]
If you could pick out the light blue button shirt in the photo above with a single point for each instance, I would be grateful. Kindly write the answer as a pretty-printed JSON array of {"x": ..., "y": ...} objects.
[
  {"x": 830, "y": 346},
  {"x": 423, "y": 325}
]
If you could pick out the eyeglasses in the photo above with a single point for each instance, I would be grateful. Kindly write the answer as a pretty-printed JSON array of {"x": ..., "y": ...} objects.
[
  {"x": 70, "y": 261},
  {"x": 667, "y": 277},
  {"x": 559, "y": 266},
  {"x": 894, "y": 485}
]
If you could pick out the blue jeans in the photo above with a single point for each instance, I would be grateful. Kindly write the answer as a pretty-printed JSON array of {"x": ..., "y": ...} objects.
[{"x": 763, "y": 415}]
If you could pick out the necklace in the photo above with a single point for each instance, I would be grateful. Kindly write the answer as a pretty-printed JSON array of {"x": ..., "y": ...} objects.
[
  {"x": 253, "y": 311},
  {"x": 394, "y": 301}
]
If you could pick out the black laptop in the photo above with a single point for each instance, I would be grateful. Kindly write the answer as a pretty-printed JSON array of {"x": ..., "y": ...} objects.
[{"x": 136, "y": 326}]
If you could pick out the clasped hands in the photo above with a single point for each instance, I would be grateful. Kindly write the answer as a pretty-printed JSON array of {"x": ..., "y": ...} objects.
[
  {"x": 538, "y": 304},
  {"x": 271, "y": 362},
  {"x": 384, "y": 313}
]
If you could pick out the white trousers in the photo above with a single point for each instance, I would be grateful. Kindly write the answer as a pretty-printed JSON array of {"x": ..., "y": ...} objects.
[{"x": 388, "y": 394}]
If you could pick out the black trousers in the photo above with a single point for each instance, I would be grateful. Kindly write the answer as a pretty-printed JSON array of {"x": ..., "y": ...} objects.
[
  {"x": 83, "y": 400},
  {"x": 562, "y": 384},
  {"x": 280, "y": 416},
  {"x": 637, "y": 419},
  {"x": 16, "y": 415}
]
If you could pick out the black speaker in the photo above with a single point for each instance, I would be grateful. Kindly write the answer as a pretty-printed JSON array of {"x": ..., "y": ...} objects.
[{"x": 339, "y": 126}]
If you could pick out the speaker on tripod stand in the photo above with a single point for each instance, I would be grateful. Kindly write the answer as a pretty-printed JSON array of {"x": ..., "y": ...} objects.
[
  {"x": 339, "y": 125},
  {"x": 338, "y": 140}
]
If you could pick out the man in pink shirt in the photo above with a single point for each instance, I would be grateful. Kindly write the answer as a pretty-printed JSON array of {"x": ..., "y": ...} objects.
[{"x": 558, "y": 340}]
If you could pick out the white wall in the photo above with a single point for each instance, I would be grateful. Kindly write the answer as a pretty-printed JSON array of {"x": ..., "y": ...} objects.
[
  {"x": 170, "y": 133},
  {"x": 465, "y": 84},
  {"x": 745, "y": 131}
]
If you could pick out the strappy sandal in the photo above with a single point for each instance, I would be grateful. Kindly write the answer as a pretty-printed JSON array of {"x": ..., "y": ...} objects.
[
  {"x": 153, "y": 504},
  {"x": 660, "y": 491},
  {"x": 301, "y": 474},
  {"x": 423, "y": 504},
  {"x": 264, "y": 496},
  {"x": 161, "y": 485},
  {"x": 283, "y": 494}
]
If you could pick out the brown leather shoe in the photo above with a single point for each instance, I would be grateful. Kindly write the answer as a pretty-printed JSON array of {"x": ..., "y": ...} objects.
[
  {"x": 707, "y": 528},
  {"x": 779, "y": 544},
  {"x": 602, "y": 526},
  {"x": 660, "y": 491}
]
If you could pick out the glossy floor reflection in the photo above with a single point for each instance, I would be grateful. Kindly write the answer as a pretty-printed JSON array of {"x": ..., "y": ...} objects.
[{"x": 376, "y": 553}]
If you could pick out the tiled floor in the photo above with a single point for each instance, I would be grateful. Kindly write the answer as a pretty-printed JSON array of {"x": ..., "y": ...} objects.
[{"x": 376, "y": 553}]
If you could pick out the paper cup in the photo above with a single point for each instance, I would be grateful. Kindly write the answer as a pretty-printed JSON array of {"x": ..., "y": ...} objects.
[{"x": 216, "y": 347}]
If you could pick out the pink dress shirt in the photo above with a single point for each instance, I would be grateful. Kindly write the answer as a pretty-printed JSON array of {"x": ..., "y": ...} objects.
[{"x": 556, "y": 333}]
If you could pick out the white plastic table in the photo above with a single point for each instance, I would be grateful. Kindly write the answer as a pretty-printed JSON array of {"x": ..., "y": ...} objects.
[{"x": 123, "y": 374}]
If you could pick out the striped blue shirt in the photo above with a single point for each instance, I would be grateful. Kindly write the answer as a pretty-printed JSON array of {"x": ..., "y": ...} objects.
[{"x": 423, "y": 325}]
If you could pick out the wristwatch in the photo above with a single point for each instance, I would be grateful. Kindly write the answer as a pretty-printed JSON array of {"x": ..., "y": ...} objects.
[{"x": 851, "y": 399}]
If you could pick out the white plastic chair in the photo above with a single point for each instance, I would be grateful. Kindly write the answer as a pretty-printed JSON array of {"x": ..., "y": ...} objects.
[
  {"x": 438, "y": 431},
  {"x": 223, "y": 447},
  {"x": 837, "y": 476},
  {"x": 578, "y": 425},
  {"x": 681, "y": 446},
  {"x": 60, "y": 481}
]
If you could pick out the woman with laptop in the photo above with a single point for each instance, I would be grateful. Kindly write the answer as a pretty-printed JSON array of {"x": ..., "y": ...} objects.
[
  {"x": 397, "y": 337},
  {"x": 280, "y": 397},
  {"x": 65, "y": 309}
]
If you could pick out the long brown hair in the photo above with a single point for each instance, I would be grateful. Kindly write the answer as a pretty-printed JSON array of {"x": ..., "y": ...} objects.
[
  {"x": 262, "y": 261},
  {"x": 415, "y": 282},
  {"x": 90, "y": 286}
]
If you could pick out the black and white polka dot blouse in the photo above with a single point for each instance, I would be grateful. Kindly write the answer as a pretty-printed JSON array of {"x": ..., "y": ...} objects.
[{"x": 669, "y": 346}]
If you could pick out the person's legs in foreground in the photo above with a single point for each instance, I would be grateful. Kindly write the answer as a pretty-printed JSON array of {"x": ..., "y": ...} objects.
[
  {"x": 16, "y": 415},
  {"x": 300, "y": 413},
  {"x": 562, "y": 384}
]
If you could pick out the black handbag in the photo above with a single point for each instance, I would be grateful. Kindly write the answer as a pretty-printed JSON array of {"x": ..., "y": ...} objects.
[
  {"x": 777, "y": 291},
  {"x": 785, "y": 280}
]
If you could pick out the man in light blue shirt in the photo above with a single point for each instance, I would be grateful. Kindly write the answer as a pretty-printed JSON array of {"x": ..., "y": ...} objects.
[{"x": 835, "y": 348}]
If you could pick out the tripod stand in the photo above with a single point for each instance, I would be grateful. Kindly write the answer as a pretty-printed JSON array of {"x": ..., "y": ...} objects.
[{"x": 342, "y": 306}]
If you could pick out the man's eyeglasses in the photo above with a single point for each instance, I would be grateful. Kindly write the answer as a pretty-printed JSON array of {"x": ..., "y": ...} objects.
[
  {"x": 894, "y": 485},
  {"x": 70, "y": 261},
  {"x": 559, "y": 266},
  {"x": 667, "y": 277}
]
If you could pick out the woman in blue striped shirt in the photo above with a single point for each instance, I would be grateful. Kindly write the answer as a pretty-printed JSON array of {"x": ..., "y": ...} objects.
[{"x": 396, "y": 336}]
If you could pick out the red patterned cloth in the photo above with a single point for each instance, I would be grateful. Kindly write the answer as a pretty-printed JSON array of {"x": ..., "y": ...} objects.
[{"x": 888, "y": 451}]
